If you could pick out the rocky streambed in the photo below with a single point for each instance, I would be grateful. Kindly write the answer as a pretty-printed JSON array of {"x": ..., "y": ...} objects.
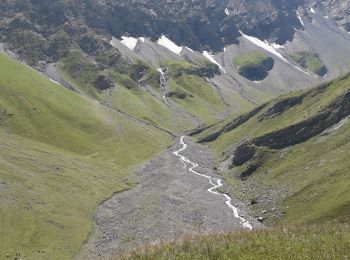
[{"x": 169, "y": 202}]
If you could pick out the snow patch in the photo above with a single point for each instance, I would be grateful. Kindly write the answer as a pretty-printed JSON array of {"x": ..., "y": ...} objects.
[
  {"x": 270, "y": 48},
  {"x": 227, "y": 12},
  {"x": 167, "y": 43},
  {"x": 142, "y": 39},
  {"x": 188, "y": 48},
  {"x": 212, "y": 59},
  {"x": 265, "y": 45},
  {"x": 312, "y": 10},
  {"x": 326, "y": 17},
  {"x": 277, "y": 46},
  {"x": 299, "y": 17},
  {"x": 129, "y": 42},
  {"x": 153, "y": 13}
]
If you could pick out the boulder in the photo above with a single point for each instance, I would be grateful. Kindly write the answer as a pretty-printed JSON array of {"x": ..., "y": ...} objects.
[{"x": 103, "y": 83}]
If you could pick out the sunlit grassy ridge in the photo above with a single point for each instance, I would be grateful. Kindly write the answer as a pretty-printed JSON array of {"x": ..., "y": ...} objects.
[
  {"x": 313, "y": 173},
  {"x": 311, "y": 104},
  {"x": 61, "y": 154},
  {"x": 313, "y": 242}
]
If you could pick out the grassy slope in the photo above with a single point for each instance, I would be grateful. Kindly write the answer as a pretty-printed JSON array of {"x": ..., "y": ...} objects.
[
  {"x": 81, "y": 71},
  {"x": 315, "y": 101},
  {"x": 314, "y": 173},
  {"x": 61, "y": 154},
  {"x": 254, "y": 58},
  {"x": 140, "y": 104},
  {"x": 315, "y": 242},
  {"x": 126, "y": 96},
  {"x": 313, "y": 62},
  {"x": 201, "y": 99}
]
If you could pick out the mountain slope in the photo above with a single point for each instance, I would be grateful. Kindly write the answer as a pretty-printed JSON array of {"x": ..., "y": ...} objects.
[
  {"x": 61, "y": 155},
  {"x": 303, "y": 46},
  {"x": 287, "y": 158},
  {"x": 139, "y": 73}
]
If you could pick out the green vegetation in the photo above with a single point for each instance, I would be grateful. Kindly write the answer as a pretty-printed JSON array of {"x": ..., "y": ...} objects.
[
  {"x": 81, "y": 71},
  {"x": 200, "y": 99},
  {"x": 311, "y": 103},
  {"x": 176, "y": 68},
  {"x": 61, "y": 155},
  {"x": 312, "y": 174},
  {"x": 142, "y": 105},
  {"x": 127, "y": 96},
  {"x": 254, "y": 65},
  {"x": 254, "y": 58},
  {"x": 124, "y": 80},
  {"x": 309, "y": 61},
  {"x": 314, "y": 242},
  {"x": 140, "y": 71},
  {"x": 189, "y": 90}
]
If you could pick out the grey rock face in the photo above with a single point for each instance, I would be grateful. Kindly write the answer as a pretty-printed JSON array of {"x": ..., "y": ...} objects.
[{"x": 337, "y": 10}]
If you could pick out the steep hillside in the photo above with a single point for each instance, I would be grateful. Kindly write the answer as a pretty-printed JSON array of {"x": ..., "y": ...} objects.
[
  {"x": 197, "y": 24},
  {"x": 287, "y": 158},
  {"x": 61, "y": 155},
  {"x": 91, "y": 89},
  {"x": 99, "y": 48}
]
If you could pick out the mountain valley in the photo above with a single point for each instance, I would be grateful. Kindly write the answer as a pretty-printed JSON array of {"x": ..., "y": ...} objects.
[{"x": 174, "y": 129}]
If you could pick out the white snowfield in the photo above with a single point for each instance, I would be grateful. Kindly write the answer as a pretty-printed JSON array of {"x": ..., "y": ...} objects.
[
  {"x": 265, "y": 45},
  {"x": 277, "y": 46},
  {"x": 227, "y": 12},
  {"x": 129, "y": 42},
  {"x": 212, "y": 59},
  {"x": 167, "y": 43},
  {"x": 272, "y": 49},
  {"x": 188, "y": 48},
  {"x": 299, "y": 17},
  {"x": 312, "y": 10},
  {"x": 216, "y": 183}
]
